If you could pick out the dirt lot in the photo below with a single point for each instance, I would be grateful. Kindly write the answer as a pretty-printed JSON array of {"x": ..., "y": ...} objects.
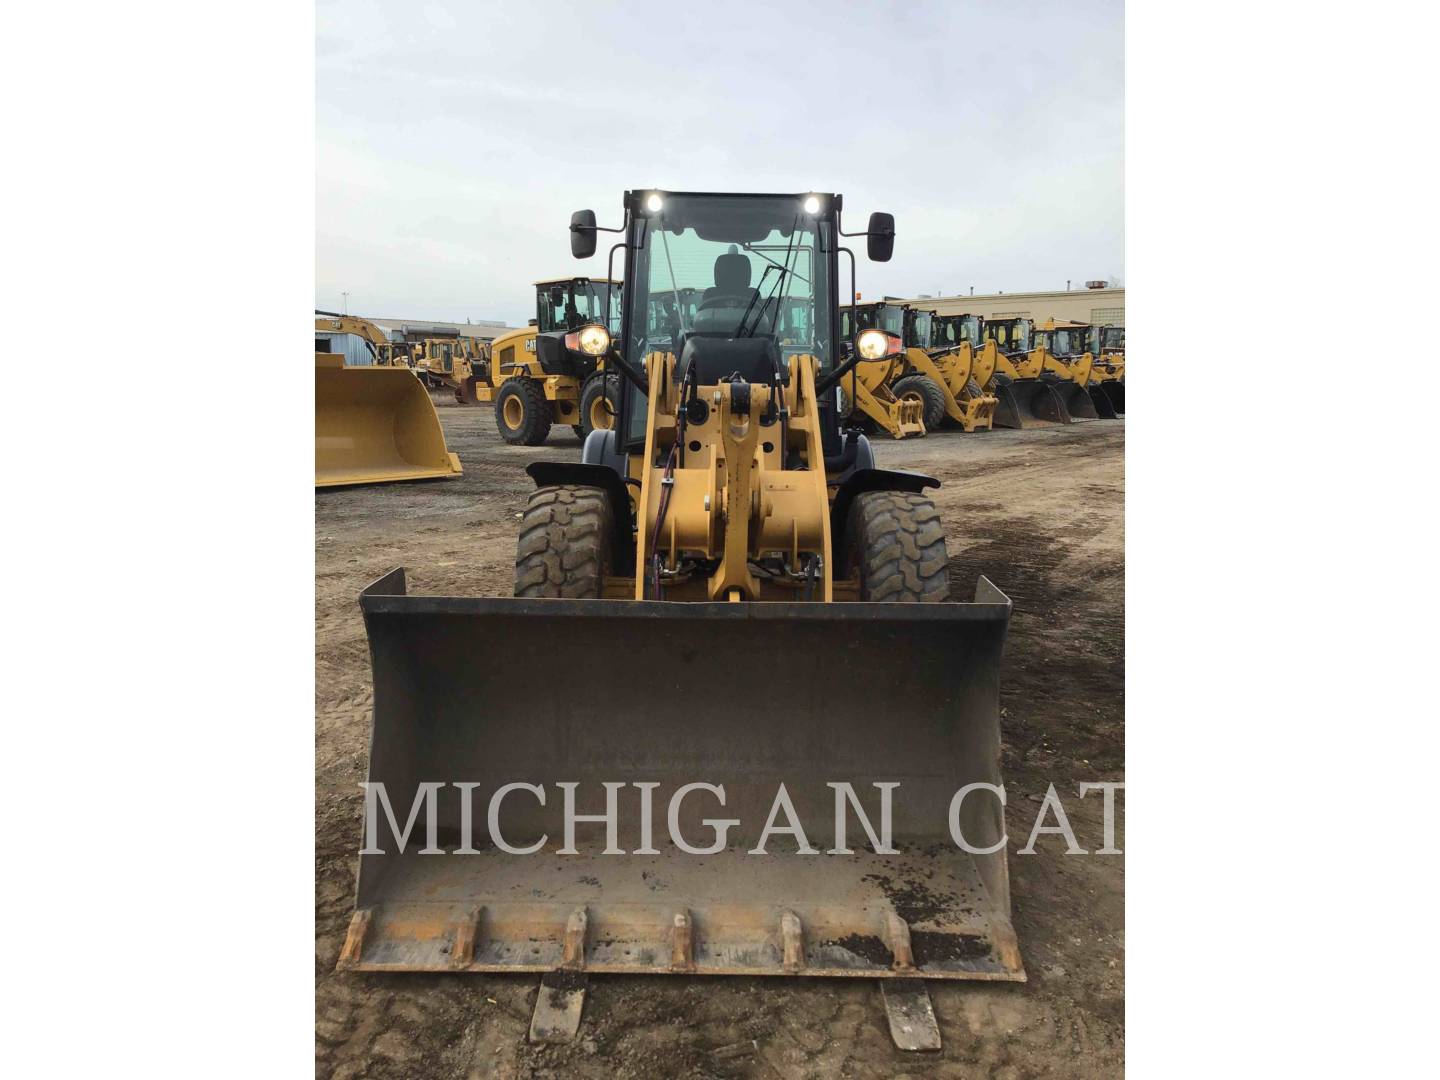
[{"x": 1041, "y": 513}]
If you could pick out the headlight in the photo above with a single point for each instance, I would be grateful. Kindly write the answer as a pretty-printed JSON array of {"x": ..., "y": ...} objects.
[
  {"x": 592, "y": 340},
  {"x": 654, "y": 203},
  {"x": 876, "y": 344}
]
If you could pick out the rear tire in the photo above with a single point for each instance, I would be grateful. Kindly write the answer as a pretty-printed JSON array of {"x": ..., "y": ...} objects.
[
  {"x": 521, "y": 412},
  {"x": 599, "y": 389},
  {"x": 895, "y": 541},
  {"x": 931, "y": 397},
  {"x": 565, "y": 540}
]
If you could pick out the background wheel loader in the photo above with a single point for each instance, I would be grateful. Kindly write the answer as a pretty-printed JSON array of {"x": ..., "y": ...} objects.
[
  {"x": 1107, "y": 375},
  {"x": 940, "y": 378},
  {"x": 1067, "y": 364},
  {"x": 867, "y": 385},
  {"x": 725, "y": 571},
  {"x": 1023, "y": 399},
  {"x": 543, "y": 374},
  {"x": 374, "y": 423}
]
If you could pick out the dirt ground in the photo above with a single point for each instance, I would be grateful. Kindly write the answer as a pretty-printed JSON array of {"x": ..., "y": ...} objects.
[{"x": 1041, "y": 513}]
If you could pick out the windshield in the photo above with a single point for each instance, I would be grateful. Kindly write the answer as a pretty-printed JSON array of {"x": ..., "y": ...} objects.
[
  {"x": 731, "y": 266},
  {"x": 569, "y": 305},
  {"x": 1112, "y": 338},
  {"x": 590, "y": 303},
  {"x": 1012, "y": 335},
  {"x": 1071, "y": 341},
  {"x": 923, "y": 323}
]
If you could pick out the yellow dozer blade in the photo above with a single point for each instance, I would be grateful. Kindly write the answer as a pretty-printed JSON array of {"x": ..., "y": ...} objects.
[
  {"x": 656, "y": 695},
  {"x": 375, "y": 425}
]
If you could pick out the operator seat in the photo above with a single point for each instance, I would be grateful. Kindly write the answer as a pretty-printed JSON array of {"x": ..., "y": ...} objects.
[{"x": 732, "y": 279}]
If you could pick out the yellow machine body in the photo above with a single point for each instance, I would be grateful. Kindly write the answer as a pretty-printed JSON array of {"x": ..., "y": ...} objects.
[
  {"x": 549, "y": 380},
  {"x": 868, "y": 387},
  {"x": 728, "y": 498},
  {"x": 717, "y": 628}
]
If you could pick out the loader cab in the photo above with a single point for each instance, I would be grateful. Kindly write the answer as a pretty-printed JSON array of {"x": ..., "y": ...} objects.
[
  {"x": 887, "y": 317},
  {"x": 1066, "y": 341},
  {"x": 919, "y": 328},
  {"x": 562, "y": 307},
  {"x": 1107, "y": 339},
  {"x": 740, "y": 281},
  {"x": 1012, "y": 336},
  {"x": 952, "y": 331}
]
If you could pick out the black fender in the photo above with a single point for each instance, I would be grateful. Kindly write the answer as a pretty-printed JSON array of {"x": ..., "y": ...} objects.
[
  {"x": 583, "y": 474},
  {"x": 859, "y": 482}
]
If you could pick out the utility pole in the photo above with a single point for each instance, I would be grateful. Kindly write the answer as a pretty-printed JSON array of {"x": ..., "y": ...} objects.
[{"x": 345, "y": 303}]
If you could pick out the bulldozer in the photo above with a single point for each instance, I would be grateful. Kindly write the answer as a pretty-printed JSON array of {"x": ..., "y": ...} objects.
[
  {"x": 1107, "y": 375},
  {"x": 396, "y": 354},
  {"x": 1023, "y": 398},
  {"x": 440, "y": 361},
  {"x": 941, "y": 378},
  {"x": 546, "y": 373},
  {"x": 724, "y": 570},
  {"x": 866, "y": 387},
  {"x": 374, "y": 422}
]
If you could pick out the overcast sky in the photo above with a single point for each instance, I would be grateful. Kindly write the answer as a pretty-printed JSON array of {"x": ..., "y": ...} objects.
[{"x": 453, "y": 140}]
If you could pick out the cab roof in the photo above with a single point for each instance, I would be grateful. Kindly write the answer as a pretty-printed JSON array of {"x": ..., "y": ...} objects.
[{"x": 577, "y": 277}]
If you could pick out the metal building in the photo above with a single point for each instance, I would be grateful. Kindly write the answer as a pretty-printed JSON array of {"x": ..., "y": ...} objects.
[{"x": 1100, "y": 306}]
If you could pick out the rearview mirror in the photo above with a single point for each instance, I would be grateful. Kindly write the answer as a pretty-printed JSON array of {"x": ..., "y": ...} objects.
[
  {"x": 582, "y": 234},
  {"x": 879, "y": 240}
]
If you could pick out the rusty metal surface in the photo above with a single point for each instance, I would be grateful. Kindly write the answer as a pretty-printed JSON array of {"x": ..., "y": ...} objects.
[{"x": 747, "y": 696}]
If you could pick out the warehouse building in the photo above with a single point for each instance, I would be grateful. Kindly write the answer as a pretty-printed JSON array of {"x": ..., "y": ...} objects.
[{"x": 1098, "y": 303}]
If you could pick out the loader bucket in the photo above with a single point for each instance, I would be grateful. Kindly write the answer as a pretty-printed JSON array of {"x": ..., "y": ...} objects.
[
  {"x": 1104, "y": 408},
  {"x": 747, "y": 697},
  {"x": 1028, "y": 403},
  {"x": 1115, "y": 391},
  {"x": 375, "y": 425},
  {"x": 1076, "y": 401}
]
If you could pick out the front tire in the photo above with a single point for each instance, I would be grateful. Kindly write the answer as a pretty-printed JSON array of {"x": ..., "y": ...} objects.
[
  {"x": 930, "y": 396},
  {"x": 566, "y": 535},
  {"x": 599, "y": 402},
  {"x": 521, "y": 412},
  {"x": 895, "y": 542}
]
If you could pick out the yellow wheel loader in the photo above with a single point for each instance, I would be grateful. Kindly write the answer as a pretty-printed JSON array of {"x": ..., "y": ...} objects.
[
  {"x": 940, "y": 379},
  {"x": 725, "y": 570},
  {"x": 1107, "y": 376},
  {"x": 1067, "y": 364},
  {"x": 374, "y": 422},
  {"x": 1023, "y": 398},
  {"x": 547, "y": 373},
  {"x": 866, "y": 389}
]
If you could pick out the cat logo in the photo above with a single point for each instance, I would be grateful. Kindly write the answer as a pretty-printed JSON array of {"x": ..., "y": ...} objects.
[{"x": 530, "y": 344}]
